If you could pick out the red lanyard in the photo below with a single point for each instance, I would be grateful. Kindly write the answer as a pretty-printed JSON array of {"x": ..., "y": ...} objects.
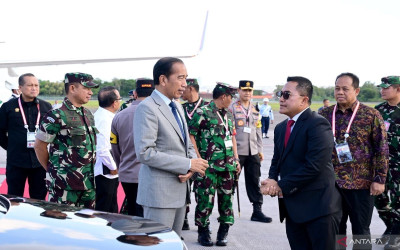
[
  {"x": 191, "y": 113},
  {"x": 348, "y": 126},
  {"x": 24, "y": 118},
  {"x": 247, "y": 115}
]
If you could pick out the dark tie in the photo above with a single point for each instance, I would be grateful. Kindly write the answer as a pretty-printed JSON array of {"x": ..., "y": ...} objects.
[
  {"x": 173, "y": 107},
  {"x": 288, "y": 130}
]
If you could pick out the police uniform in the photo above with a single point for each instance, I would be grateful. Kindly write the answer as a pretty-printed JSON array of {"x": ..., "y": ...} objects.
[
  {"x": 123, "y": 149},
  {"x": 388, "y": 203},
  {"x": 249, "y": 146},
  {"x": 215, "y": 128},
  {"x": 71, "y": 133}
]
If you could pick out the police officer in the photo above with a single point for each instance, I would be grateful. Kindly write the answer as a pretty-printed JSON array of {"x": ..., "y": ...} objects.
[
  {"x": 19, "y": 122},
  {"x": 388, "y": 203},
  {"x": 193, "y": 102},
  {"x": 123, "y": 147},
  {"x": 71, "y": 133},
  {"x": 249, "y": 144},
  {"x": 213, "y": 124}
]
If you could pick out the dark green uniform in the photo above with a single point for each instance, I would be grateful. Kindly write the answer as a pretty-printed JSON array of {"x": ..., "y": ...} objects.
[
  {"x": 72, "y": 137},
  {"x": 388, "y": 203},
  {"x": 213, "y": 146}
]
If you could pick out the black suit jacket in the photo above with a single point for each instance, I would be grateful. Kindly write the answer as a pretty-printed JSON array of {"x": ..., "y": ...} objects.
[{"x": 305, "y": 168}]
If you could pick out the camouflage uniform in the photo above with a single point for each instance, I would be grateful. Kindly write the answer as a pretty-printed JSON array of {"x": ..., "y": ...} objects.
[
  {"x": 207, "y": 126},
  {"x": 72, "y": 137},
  {"x": 388, "y": 203}
]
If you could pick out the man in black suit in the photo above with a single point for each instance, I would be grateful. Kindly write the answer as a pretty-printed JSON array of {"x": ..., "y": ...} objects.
[{"x": 301, "y": 171}]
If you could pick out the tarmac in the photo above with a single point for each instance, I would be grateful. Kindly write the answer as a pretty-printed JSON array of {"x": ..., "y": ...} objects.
[{"x": 246, "y": 234}]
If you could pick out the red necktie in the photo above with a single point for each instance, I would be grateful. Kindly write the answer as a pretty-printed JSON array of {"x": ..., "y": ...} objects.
[{"x": 288, "y": 130}]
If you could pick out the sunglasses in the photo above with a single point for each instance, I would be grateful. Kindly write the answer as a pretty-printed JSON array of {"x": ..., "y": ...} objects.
[{"x": 285, "y": 94}]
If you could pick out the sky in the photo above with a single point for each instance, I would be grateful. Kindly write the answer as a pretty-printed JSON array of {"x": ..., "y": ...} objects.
[{"x": 264, "y": 41}]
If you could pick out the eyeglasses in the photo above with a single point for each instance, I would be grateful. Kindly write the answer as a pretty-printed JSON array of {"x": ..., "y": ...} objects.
[
  {"x": 119, "y": 99},
  {"x": 285, "y": 94}
]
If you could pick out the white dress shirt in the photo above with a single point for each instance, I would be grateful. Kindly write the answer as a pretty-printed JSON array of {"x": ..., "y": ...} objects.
[{"x": 103, "y": 120}]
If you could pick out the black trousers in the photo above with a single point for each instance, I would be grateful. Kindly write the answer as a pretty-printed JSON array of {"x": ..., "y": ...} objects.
[
  {"x": 265, "y": 124},
  {"x": 106, "y": 194},
  {"x": 319, "y": 233},
  {"x": 252, "y": 173},
  {"x": 358, "y": 205},
  {"x": 130, "y": 190},
  {"x": 16, "y": 178}
]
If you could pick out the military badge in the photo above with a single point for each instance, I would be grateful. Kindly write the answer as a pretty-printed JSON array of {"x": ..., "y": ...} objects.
[{"x": 16, "y": 110}]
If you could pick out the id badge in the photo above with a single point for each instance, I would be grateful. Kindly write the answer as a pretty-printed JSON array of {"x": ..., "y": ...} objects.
[
  {"x": 30, "y": 139},
  {"x": 387, "y": 125},
  {"x": 228, "y": 144},
  {"x": 247, "y": 130},
  {"x": 343, "y": 152}
]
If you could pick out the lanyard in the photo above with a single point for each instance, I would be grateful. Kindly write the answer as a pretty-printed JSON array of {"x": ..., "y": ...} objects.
[
  {"x": 24, "y": 118},
  {"x": 224, "y": 123},
  {"x": 348, "y": 126},
  {"x": 190, "y": 115},
  {"x": 247, "y": 115}
]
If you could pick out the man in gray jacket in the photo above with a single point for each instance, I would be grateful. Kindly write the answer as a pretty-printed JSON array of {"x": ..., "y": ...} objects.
[
  {"x": 123, "y": 146},
  {"x": 164, "y": 148}
]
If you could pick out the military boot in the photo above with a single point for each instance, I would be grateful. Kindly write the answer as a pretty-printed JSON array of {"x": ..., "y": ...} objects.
[
  {"x": 394, "y": 241},
  {"x": 222, "y": 234},
  {"x": 204, "y": 237},
  {"x": 258, "y": 214}
]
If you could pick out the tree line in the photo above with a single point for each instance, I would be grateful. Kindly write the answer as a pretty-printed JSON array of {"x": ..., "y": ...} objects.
[
  {"x": 57, "y": 88},
  {"x": 369, "y": 93}
]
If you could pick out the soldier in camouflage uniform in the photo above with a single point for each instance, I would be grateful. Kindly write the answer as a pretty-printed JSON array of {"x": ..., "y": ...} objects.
[
  {"x": 71, "y": 133},
  {"x": 132, "y": 96},
  {"x": 213, "y": 125},
  {"x": 193, "y": 102},
  {"x": 388, "y": 203}
]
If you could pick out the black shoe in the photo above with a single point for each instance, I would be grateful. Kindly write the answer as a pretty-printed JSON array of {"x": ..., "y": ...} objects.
[
  {"x": 393, "y": 244},
  {"x": 258, "y": 215},
  {"x": 204, "y": 237},
  {"x": 222, "y": 234},
  {"x": 186, "y": 225}
]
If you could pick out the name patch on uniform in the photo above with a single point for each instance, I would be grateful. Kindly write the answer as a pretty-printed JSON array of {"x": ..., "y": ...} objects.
[
  {"x": 51, "y": 119},
  {"x": 113, "y": 138}
]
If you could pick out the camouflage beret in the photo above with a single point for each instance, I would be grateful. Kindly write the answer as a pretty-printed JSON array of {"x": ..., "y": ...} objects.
[
  {"x": 226, "y": 88},
  {"x": 144, "y": 83},
  {"x": 244, "y": 84},
  {"x": 389, "y": 81},
  {"x": 82, "y": 78},
  {"x": 191, "y": 81}
]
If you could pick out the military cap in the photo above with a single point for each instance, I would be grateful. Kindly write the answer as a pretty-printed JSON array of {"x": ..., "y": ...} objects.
[
  {"x": 389, "y": 81},
  {"x": 244, "y": 84},
  {"x": 191, "y": 81},
  {"x": 144, "y": 83},
  {"x": 12, "y": 85},
  {"x": 226, "y": 88},
  {"x": 82, "y": 78},
  {"x": 131, "y": 92}
]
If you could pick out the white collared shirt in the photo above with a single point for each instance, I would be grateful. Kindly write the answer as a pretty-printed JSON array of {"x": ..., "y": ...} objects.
[
  {"x": 297, "y": 117},
  {"x": 103, "y": 120}
]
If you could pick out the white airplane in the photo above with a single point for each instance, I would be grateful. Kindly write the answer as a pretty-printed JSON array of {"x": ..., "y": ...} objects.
[{"x": 9, "y": 77}]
